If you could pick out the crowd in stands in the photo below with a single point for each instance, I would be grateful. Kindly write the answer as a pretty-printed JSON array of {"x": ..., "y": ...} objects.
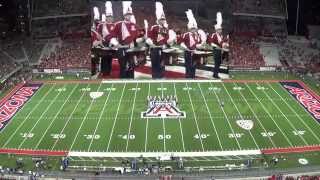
[
  {"x": 245, "y": 53},
  {"x": 73, "y": 53},
  {"x": 300, "y": 57}
]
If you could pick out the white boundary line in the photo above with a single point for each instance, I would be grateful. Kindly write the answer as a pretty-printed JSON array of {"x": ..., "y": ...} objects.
[
  {"x": 163, "y": 124},
  {"x": 258, "y": 119},
  {"x": 52, "y": 121},
  {"x": 30, "y": 112},
  {"x": 195, "y": 117},
  {"x": 146, "y": 139},
  {"x": 115, "y": 118},
  {"x": 211, "y": 119},
  {"x": 83, "y": 120},
  {"x": 292, "y": 126},
  {"x": 42, "y": 114},
  {"x": 69, "y": 118},
  {"x": 159, "y": 154},
  {"x": 131, "y": 117},
  {"x": 226, "y": 117},
  {"x": 181, "y": 131},
  {"x": 100, "y": 116},
  {"x": 241, "y": 116},
  {"x": 128, "y": 81},
  {"x": 317, "y": 137},
  {"x": 267, "y": 111}
]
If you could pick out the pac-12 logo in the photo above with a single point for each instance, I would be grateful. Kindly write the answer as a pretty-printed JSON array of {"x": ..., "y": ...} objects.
[{"x": 163, "y": 107}]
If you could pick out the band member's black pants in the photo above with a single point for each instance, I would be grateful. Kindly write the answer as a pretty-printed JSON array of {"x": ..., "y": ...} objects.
[
  {"x": 106, "y": 64},
  {"x": 94, "y": 62},
  {"x": 217, "y": 61},
  {"x": 189, "y": 65},
  {"x": 126, "y": 64},
  {"x": 156, "y": 63}
]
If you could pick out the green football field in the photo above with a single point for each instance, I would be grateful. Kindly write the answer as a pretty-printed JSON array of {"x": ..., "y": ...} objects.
[{"x": 219, "y": 116}]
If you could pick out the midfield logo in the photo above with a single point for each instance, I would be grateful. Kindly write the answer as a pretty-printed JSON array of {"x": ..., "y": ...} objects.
[{"x": 163, "y": 107}]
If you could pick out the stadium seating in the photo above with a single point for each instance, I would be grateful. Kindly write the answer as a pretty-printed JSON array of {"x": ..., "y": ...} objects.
[
  {"x": 245, "y": 53},
  {"x": 73, "y": 53}
]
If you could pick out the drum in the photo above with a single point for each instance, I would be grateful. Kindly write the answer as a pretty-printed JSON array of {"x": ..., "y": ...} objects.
[
  {"x": 201, "y": 57},
  {"x": 171, "y": 55},
  {"x": 138, "y": 55}
]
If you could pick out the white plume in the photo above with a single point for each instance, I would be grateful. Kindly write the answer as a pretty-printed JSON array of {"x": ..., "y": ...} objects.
[
  {"x": 96, "y": 13},
  {"x": 219, "y": 18},
  {"x": 192, "y": 21},
  {"x": 109, "y": 11},
  {"x": 126, "y": 5},
  {"x": 159, "y": 10}
]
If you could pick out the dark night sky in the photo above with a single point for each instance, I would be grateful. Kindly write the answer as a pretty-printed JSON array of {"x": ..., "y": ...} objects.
[{"x": 309, "y": 13}]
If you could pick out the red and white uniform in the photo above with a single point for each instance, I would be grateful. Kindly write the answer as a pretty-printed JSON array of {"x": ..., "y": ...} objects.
[
  {"x": 191, "y": 40},
  {"x": 106, "y": 31},
  {"x": 159, "y": 35},
  {"x": 218, "y": 40},
  {"x": 126, "y": 32}
]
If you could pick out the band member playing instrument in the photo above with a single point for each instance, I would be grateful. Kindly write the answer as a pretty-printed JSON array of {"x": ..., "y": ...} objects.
[
  {"x": 96, "y": 40},
  {"x": 106, "y": 29},
  {"x": 189, "y": 42},
  {"x": 220, "y": 44},
  {"x": 126, "y": 33},
  {"x": 158, "y": 38}
]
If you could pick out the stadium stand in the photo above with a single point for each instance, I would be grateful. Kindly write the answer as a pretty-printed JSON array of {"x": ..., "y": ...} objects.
[
  {"x": 245, "y": 53},
  {"x": 297, "y": 54},
  {"x": 73, "y": 53}
]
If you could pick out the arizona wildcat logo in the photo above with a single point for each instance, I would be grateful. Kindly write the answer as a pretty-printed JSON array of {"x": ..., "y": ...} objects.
[
  {"x": 304, "y": 97},
  {"x": 163, "y": 107},
  {"x": 13, "y": 104}
]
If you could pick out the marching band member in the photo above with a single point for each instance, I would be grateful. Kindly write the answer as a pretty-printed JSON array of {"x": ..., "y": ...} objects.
[
  {"x": 127, "y": 35},
  {"x": 189, "y": 42},
  {"x": 106, "y": 29},
  {"x": 220, "y": 45},
  {"x": 159, "y": 37},
  {"x": 96, "y": 40}
]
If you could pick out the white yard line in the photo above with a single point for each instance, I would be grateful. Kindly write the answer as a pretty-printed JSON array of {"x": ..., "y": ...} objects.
[
  {"x": 211, "y": 119},
  {"x": 100, "y": 117},
  {"x": 255, "y": 115},
  {"x": 69, "y": 118},
  {"x": 266, "y": 110},
  {"x": 146, "y": 140},
  {"x": 226, "y": 117},
  {"x": 163, "y": 124},
  {"x": 115, "y": 118},
  {"x": 291, "y": 108},
  {"x": 52, "y": 121},
  {"x": 292, "y": 126},
  {"x": 83, "y": 120},
  {"x": 195, "y": 117},
  {"x": 27, "y": 117},
  {"x": 43, "y": 113},
  {"x": 181, "y": 131},
  {"x": 241, "y": 116},
  {"x": 131, "y": 117}
]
